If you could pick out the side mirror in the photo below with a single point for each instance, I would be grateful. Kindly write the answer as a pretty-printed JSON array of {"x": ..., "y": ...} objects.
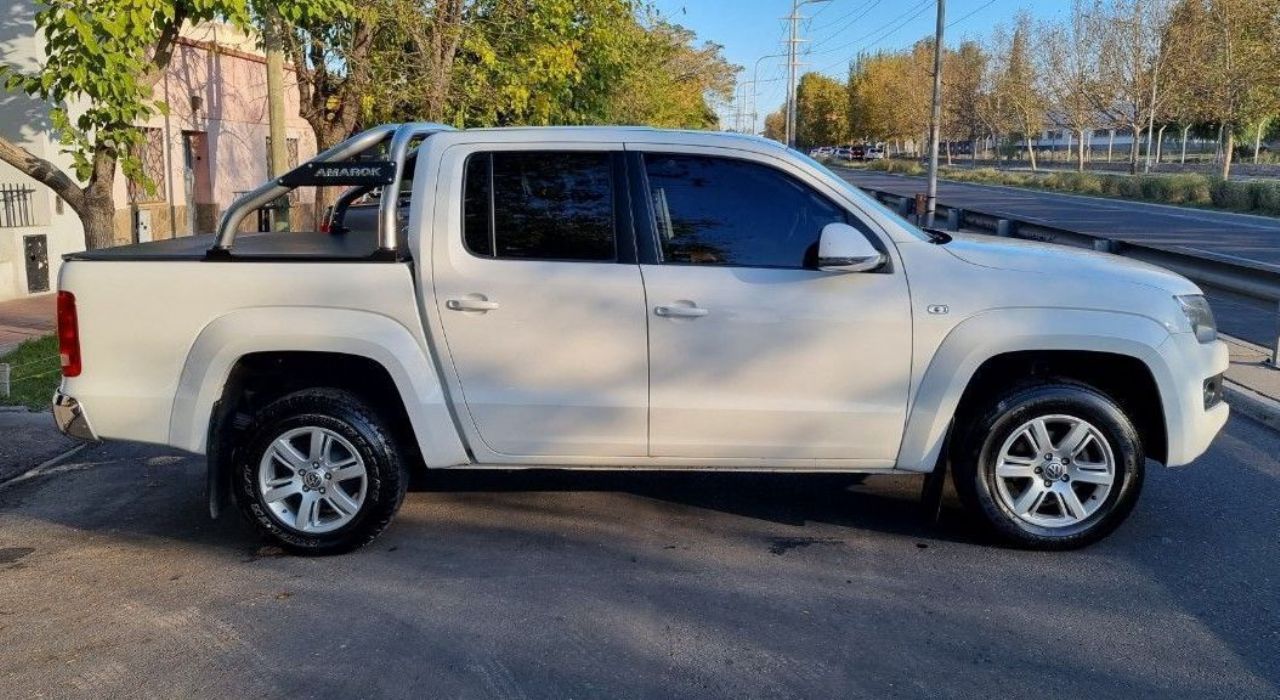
[{"x": 843, "y": 248}]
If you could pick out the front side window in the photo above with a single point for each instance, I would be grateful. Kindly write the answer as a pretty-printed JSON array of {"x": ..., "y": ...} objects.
[
  {"x": 548, "y": 205},
  {"x": 722, "y": 211}
]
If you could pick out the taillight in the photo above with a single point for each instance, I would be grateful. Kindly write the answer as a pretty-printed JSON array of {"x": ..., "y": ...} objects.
[{"x": 68, "y": 335}]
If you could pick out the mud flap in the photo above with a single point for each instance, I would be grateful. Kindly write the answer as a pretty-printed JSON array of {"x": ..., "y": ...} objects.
[
  {"x": 935, "y": 483},
  {"x": 217, "y": 472}
]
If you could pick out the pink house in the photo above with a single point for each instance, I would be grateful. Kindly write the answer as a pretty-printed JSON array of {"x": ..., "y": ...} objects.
[{"x": 212, "y": 145}]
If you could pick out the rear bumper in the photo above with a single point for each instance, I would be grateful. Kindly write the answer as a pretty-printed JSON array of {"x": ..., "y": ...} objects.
[{"x": 70, "y": 417}]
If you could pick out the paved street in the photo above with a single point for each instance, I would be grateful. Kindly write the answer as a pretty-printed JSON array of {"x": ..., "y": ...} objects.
[{"x": 114, "y": 583}]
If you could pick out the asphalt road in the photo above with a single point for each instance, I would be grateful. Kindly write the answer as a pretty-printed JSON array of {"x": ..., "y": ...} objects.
[
  {"x": 511, "y": 585},
  {"x": 1240, "y": 238}
]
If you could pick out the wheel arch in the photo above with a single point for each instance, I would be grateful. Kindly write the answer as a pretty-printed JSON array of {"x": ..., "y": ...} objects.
[
  {"x": 1089, "y": 346},
  {"x": 310, "y": 335}
]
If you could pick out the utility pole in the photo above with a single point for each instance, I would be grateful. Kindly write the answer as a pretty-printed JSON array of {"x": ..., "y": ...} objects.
[
  {"x": 792, "y": 64},
  {"x": 279, "y": 155},
  {"x": 935, "y": 121}
]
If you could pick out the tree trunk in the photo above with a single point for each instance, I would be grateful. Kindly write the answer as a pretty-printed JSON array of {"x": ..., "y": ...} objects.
[
  {"x": 1134, "y": 145},
  {"x": 1227, "y": 152},
  {"x": 1111, "y": 142},
  {"x": 948, "y": 154},
  {"x": 1257, "y": 142},
  {"x": 1080, "y": 151},
  {"x": 1031, "y": 147},
  {"x": 973, "y": 154},
  {"x": 1185, "y": 130},
  {"x": 1160, "y": 143}
]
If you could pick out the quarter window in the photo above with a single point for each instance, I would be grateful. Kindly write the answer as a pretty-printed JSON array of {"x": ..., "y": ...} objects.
[
  {"x": 722, "y": 211},
  {"x": 548, "y": 205}
]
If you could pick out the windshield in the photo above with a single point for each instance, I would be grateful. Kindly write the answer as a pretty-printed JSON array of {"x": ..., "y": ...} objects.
[{"x": 864, "y": 197}]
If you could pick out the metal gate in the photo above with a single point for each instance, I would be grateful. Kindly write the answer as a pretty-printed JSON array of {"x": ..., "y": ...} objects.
[{"x": 37, "y": 251}]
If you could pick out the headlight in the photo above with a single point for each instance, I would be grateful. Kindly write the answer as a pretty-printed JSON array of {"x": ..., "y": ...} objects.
[{"x": 1196, "y": 307}]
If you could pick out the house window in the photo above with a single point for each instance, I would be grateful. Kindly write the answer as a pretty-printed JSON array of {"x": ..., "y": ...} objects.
[{"x": 151, "y": 154}]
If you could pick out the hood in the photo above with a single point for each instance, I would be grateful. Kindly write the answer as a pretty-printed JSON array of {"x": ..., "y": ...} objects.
[{"x": 1047, "y": 258}]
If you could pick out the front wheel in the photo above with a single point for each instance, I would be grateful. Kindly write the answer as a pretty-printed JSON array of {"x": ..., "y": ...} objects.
[
  {"x": 321, "y": 473},
  {"x": 1050, "y": 466}
]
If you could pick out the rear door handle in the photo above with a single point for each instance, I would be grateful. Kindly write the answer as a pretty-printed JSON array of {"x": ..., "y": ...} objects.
[
  {"x": 471, "y": 305},
  {"x": 680, "y": 311}
]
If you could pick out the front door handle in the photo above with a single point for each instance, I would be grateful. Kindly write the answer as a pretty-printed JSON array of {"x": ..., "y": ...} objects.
[
  {"x": 679, "y": 311},
  {"x": 471, "y": 305}
]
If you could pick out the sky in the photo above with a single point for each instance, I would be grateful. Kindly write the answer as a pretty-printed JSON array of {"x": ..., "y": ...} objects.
[{"x": 750, "y": 30}]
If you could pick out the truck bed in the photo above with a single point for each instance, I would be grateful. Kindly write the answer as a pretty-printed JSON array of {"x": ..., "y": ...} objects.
[{"x": 306, "y": 246}]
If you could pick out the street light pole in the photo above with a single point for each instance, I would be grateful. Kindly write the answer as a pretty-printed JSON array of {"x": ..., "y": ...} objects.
[
  {"x": 935, "y": 121},
  {"x": 755, "y": 88}
]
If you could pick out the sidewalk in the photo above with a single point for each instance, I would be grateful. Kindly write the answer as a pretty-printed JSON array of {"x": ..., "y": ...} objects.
[
  {"x": 1253, "y": 383},
  {"x": 28, "y": 317}
]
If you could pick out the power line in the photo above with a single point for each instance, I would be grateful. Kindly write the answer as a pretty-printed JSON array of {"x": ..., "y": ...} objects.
[
  {"x": 980, "y": 8},
  {"x": 883, "y": 32},
  {"x": 846, "y": 25}
]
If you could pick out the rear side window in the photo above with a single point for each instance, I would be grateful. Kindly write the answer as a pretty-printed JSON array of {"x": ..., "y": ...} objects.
[
  {"x": 722, "y": 211},
  {"x": 546, "y": 205}
]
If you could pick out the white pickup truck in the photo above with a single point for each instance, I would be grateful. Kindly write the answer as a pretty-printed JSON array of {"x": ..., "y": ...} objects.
[{"x": 626, "y": 298}]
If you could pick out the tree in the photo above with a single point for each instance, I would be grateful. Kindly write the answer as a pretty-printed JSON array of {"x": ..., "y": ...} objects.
[
  {"x": 775, "y": 126},
  {"x": 962, "y": 94},
  {"x": 1018, "y": 85},
  {"x": 821, "y": 109},
  {"x": 1131, "y": 58},
  {"x": 1068, "y": 65},
  {"x": 1237, "y": 53},
  {"x": 108, "y": 55},
  {"x": 669, "y": 81}
]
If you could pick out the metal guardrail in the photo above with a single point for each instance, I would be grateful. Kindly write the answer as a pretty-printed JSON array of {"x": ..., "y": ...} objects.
[{"x": 1260, "y": 282}]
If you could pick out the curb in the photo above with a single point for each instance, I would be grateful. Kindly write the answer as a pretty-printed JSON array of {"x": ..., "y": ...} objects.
[{"x": 1248, "y": 402}]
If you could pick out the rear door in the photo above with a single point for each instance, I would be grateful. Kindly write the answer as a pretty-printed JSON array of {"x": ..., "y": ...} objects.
[
  {"x": 753, "y": 352},
  {"x": 541, "y": 302}
]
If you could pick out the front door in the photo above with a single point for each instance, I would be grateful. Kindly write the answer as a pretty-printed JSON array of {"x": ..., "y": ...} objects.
[
  {"x": 754, "y": 353},
  {"x": 542, "y": 304}
]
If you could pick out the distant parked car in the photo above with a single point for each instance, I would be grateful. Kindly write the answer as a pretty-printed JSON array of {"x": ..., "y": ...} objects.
[{"x": 875, "y": 153}]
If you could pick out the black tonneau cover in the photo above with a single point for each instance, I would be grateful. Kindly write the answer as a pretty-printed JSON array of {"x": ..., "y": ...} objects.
[{"x": 289, "y": 246}]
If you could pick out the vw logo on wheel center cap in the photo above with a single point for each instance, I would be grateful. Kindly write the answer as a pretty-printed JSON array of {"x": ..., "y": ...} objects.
[
  {"x": 311, "y": 479},
  {"x": 1053, "y": 470}
]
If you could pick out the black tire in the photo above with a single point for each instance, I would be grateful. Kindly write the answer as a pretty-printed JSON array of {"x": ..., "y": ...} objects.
[
  {"x": 369, "y": 438},
  {"x": 980, "y": 441}
]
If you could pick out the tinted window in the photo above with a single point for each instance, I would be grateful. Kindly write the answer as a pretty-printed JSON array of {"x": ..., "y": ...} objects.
[
  {"x": 539, "y": 204},
  {"x": 476, "y": 206},
  {"x": 719, "y": 211}
]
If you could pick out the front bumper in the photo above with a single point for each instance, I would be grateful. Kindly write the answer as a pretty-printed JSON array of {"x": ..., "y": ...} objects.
[
  {"x": 70, "y": 417},
  {"x": 1191, "y": 421}
]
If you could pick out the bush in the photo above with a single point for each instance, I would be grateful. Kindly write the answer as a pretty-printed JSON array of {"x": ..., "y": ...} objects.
[
  {"x": 1189, "y": 189},
  {"x": 1265, "y": 196},
  {"x": 1229, "y": 194}
]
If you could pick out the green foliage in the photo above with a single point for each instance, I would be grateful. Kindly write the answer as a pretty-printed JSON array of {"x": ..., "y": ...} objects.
[
  {"x": 102, "y": 54},
  {"x": 821, "y": 111},
  {"x": 582, "y": 62},
  {"x": 34, "y": 373}
]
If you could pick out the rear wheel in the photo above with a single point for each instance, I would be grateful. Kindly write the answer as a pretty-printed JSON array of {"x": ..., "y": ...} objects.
[
  {"x": 321, "y": 473},
  {"x": 1051, "y": 466}
]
